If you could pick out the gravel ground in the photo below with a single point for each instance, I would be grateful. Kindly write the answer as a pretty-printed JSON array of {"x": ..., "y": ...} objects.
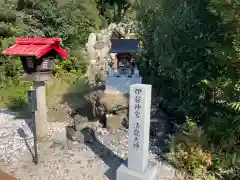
[{"x": 84, "y": 162}]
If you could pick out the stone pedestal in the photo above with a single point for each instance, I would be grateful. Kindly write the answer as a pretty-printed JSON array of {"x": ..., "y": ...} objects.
[
  {"x": 120, "y": 85},
  {"x": 150, "y": 173},
  {"x": 41, "y": 112}
]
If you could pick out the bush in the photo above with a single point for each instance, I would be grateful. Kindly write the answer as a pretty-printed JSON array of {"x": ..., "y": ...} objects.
[
  {"x": 8, "y": 17},
  {"x": 74, "y": 64},
  {"x": 14, "y": 96},
  {"x": 213, "y": 153},
  {"x": 191, "y": 57},
  {"x": 71, "y": 21},
  {"x": 188, "y": 151}
]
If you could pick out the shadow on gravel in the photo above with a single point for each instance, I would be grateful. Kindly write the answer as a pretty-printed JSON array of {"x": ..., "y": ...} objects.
[
  {"x": 29, "y": 122},
  {"x": 105, "y": 154},
  {"x": 23, "y": 135},
  {"x": 16, "y": 116}
]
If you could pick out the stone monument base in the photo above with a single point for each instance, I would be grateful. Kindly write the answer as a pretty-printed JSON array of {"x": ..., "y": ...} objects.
[
  {"x": 121, "y": 85},
  {"x": 124, "y": 173}
]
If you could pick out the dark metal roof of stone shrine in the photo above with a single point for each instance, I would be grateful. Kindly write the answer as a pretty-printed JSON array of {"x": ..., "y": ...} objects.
[{"x": 125, "y": 46}]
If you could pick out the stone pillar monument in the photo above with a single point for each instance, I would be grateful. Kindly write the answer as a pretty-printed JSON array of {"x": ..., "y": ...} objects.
[{"x": 138, "y": 165}]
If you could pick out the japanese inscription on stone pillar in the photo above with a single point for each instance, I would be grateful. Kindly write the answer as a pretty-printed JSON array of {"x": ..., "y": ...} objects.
[
  {"x": 137, "y": 112},
  {"x": 139, "y": 126}
]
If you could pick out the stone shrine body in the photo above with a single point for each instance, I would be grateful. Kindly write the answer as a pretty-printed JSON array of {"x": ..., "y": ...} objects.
[{"x": 123, "y": 73}]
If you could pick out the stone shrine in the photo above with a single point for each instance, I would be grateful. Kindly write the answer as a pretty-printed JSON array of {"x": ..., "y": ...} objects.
[
  {"x": 123, "y": 71},
  {"x": 138, "y": 165},
  {"x": 111, "y": 71}
]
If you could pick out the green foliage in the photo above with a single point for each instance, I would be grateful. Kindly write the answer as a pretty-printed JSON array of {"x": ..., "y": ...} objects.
[
  {"x": 116, "y": 10},
  {"x": 10, "y": 67},
  {"x": 72, "y": 21},
  {"x": 72, "y": 65},
  {"x": 14, "y": 96},
  {"x": 210, "y": 154},
  {"x": 187, "y": 151},
  {"x": 235, "y": 106},
  {"x": 8, "y": 16},
  {"x": 191, "y": 57}
]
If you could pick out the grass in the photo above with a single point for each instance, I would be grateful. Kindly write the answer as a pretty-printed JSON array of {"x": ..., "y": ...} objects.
[
  {"x": 64, "y": 88},
  {"x": 14, "y": 97},
  {"x": 65, "y": 84}
]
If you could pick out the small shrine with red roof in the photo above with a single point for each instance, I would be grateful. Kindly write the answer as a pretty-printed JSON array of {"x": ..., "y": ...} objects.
[{"x": 37, "y": 54}]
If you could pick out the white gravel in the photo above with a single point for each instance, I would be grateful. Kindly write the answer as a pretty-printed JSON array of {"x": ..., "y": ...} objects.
[
  {"x": 11, "y": 142},
  {"x": 80, "y": 163}
]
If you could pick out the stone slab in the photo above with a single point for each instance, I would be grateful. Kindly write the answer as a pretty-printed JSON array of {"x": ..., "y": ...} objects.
[
  {"x": 120, "y": 85},
  {"x": 115, "y": 101},
  {"x": 166, "y": 171},
  {"x": 124, "y": 173}
]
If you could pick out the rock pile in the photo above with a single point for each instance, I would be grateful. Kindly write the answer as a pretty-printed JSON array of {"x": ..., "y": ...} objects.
[{"x": 78, "y": 132}]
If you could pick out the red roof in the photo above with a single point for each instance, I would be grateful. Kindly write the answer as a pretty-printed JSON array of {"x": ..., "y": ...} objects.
[{"x": 37, "y": 47}]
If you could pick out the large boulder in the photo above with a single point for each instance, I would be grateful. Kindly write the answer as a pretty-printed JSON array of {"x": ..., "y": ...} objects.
[
  {"x": 114, "y": 102},
  {"x": 110, "y": 109},
  {"x": 116, "y": 110},
  {"x": 93, "y": 98}
]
